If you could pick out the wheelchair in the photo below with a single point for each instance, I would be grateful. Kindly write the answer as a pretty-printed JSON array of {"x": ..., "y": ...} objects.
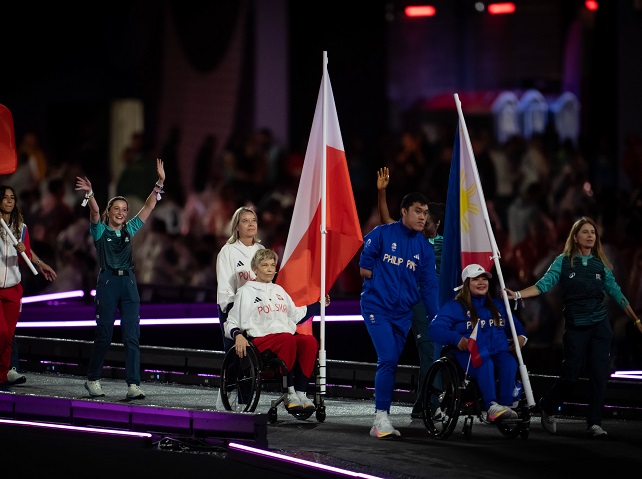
[
  {"x": 243, "y": 378},
  {"x": 448, "y": 394}
]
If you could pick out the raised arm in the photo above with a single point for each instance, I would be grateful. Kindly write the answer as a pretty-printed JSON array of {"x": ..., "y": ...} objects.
[
  {"x": 383, "y": 178},
  {"x": 154, "y": 196},
  {"x": 83, "y": 184}
]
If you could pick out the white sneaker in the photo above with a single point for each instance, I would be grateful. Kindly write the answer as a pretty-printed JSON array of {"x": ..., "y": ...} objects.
[
  {"x": 293, "y": 403},
  {"x": 305, "y": 400},
  {"x": 596, "y": 431},
  {"x": 94, "y": 388},
  {"x": 496, "y": 411},
  {"x": 14, "y": 377},
  {"x": 382, "y": 426},
  {"x": 135, "y": 392}
]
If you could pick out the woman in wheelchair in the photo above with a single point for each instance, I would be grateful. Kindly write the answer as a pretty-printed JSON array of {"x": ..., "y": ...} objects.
[
  {"x": 265, "y": 314},
  {"x": 453, "y": 325}
]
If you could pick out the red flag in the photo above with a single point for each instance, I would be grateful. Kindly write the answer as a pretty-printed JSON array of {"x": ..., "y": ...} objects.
[
  {"x": 300, "y": 272},
  {"x": 475, "y": 358},
  {"x": 8, "y": 152}
]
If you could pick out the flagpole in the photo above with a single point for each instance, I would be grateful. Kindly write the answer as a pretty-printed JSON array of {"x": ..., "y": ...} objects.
[
  {"x": 496, "y": 255},
  {"x": 322, "y": 351}
]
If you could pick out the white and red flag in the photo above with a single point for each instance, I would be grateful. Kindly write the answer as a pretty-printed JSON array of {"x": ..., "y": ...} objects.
[
  {"x": 8, "y": 151},
  {"x": 475, "y": 358},
  {"x": 324, "y": 210}
]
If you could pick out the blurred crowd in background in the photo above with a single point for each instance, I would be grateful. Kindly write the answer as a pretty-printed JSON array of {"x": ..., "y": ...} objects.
[{"x": 535, "y": 189}]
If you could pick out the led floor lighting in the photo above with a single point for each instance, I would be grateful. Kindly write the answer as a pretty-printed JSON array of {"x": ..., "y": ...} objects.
[
  {"x": 65, "y": 427},
  {"x": 302, "y": 462}
]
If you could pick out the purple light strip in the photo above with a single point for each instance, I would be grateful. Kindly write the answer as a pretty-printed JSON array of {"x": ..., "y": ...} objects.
[
  {"x": 53, "y": 296},
  {"x": 627, "y": 375},
  {"x": 156, "y": 322},
  {"x": 112, "y": 432},
  {"x": 303, "y": 462}
]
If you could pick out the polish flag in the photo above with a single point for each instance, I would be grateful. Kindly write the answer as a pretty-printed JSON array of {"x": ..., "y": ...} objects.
[
  {"x": 475, "y": 358},
  {"x": 8, "y": 152},
  {"x": 325, "y": 158}
]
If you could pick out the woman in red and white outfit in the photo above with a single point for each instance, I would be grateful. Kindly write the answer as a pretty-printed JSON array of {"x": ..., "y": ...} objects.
[{"x": 10, "y": 277}]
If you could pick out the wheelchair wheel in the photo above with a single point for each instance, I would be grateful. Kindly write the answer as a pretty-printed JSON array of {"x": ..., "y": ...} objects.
[
  {"x": 240, "y": 381},
  {"x": 441, "y": 398}
]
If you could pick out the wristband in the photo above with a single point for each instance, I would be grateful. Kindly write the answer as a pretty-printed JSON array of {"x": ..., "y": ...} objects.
[
  {"x": 87, "y": 196},
  {"x": 518, "y": 296},
  {"x": 159, "y": 191}
]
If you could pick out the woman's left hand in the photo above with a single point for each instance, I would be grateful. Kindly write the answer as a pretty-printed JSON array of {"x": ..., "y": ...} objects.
[
  {"x": 47, "y": 271},
  {"x": 160, "y": 169}
]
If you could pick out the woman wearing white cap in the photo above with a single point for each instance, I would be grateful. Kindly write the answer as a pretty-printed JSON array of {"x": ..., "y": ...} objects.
[{"x": 453, "y": 325}]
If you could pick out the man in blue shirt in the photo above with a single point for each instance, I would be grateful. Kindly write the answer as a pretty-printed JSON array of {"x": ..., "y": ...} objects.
[{"x": 398, "y": 267}]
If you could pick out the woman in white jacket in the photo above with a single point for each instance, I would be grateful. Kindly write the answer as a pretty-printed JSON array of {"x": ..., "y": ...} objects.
[
  {"x": 233, "y": 263},
  {"x": 265, "y": 314}
]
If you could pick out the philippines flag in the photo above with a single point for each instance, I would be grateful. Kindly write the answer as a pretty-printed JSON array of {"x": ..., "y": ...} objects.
[
  {"x": 300, "y": 271},
  {"x": 475, "y": 358},
  {"x": 466, "y": 238},
  {"x": 8, "y": 152}
]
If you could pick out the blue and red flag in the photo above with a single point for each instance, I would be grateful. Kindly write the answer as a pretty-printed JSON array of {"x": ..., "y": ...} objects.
[{"x": 466, "y": 238}]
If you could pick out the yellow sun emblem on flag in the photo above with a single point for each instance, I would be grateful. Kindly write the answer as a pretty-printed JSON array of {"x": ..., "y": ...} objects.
[{"x": 466, "y": 207}]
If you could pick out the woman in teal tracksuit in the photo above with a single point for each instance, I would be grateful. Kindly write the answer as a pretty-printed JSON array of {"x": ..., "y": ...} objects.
[{"x": 584, "y": 274}]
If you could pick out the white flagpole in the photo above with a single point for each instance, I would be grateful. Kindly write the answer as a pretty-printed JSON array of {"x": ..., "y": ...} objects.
[
  {"x": 322, "y": 352},
  {"x": 15, "y": 242},
  {"x": 496, "y": 255}
]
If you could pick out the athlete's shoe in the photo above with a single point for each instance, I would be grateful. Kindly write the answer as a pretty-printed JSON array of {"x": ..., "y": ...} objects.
[
  {"x": 135, "y": 392},
  {"x": 14, "y": 377},
  {"x": 497, "y": 411},
  {"x": 306, "y": 402},
  {"x": 94, "y": 388},
  {"x": 382, "y": 426}
]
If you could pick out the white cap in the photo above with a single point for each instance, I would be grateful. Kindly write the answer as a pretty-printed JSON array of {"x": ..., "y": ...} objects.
[{"x": 472, "y": 271}]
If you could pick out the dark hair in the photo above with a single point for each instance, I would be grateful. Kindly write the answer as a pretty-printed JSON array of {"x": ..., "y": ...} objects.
[
  {"x": 412, "y": 198},
  {"x": 463, "y": 298},
  {"x": 437, "y": 212},
  {"x": 15, "y": 219}
]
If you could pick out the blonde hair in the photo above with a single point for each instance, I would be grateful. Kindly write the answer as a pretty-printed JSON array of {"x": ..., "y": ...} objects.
[
  {"x": 262, "y": 255},
  {"x": 234, "y": 224}
]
